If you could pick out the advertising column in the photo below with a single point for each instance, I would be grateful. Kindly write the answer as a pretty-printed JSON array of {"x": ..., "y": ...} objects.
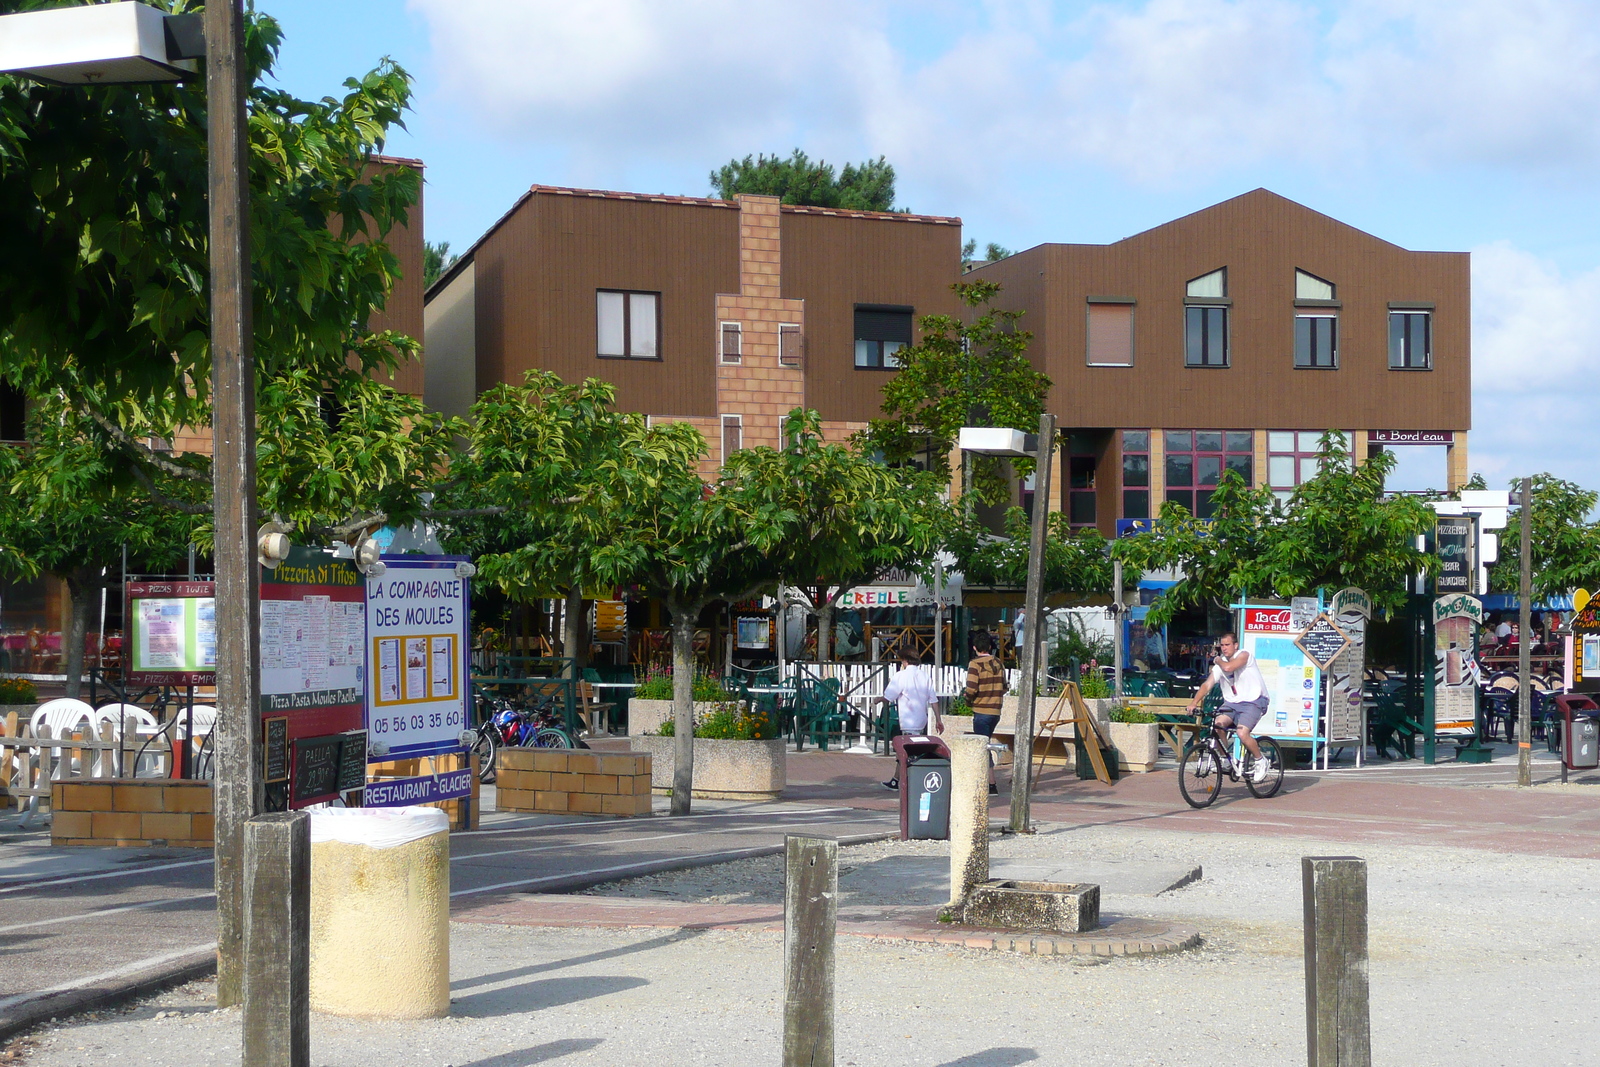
[
  {"x": 1456, "y": 620},
  {"x": 1350, "y": 609}
]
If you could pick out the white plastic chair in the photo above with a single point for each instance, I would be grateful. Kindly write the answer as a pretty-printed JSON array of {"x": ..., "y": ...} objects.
[
  {"x": 205, "y": 720},
  {"x": 59, "y": 717},
  {"x": 131, "y": 717}
]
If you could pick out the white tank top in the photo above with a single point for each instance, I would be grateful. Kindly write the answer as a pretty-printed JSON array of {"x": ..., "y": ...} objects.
[{"x": 1244, "y": 685}]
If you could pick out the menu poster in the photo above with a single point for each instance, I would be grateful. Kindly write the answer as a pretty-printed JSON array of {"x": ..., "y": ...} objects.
[
  {"x": 1350, "y": 609},
  {"x": 172, "y": 633},
  {"x": 1291, "y": 679},
  {"x": 1456, "y": 620},
  {"x": 417, "y": 614},
  {"x": 313, "y": 620}
]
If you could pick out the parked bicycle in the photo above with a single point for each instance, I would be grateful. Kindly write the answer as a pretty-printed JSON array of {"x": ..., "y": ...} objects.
[{"x": 1218, "y": 753}]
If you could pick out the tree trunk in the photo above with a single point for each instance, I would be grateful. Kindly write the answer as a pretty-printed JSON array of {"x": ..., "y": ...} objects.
[
  {"x": 683, "y": 620},
  {"x": 82, "y": 586},
  {"x": 574, "y": 641},
  {"x": 824, "y": 628}
]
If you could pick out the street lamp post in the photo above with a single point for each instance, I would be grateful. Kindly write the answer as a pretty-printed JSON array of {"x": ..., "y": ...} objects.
[
  {"x": 132, "y": 43},
  {"x": 1003, "y": 442}
]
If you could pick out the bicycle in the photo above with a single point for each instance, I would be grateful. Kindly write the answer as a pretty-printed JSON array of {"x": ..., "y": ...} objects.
[{"x": 1208, "y": 758}]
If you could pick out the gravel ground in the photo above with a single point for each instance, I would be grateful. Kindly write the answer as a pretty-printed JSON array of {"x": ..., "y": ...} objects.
[{"x": 1474, "y": 957}]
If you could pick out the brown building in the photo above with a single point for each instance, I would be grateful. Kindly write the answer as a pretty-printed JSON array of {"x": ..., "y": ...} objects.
[
  {"x": 1232, "y": 338},
  {"x": 725, "y": 314}
]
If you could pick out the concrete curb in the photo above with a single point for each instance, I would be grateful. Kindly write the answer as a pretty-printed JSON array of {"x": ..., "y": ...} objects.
[{"x": 107, "y": 994}]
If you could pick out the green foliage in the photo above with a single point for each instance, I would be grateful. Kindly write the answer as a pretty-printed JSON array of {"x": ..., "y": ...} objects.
[
  {"x": 103, "y": 218},
  {"x": 726, "y": 722},
  {"x": 800, "y": 180},
  {"x": 1075, "y": 561},
  {"x": 1093, "y": 685},
  {"x": 961, "y": 374},
  {"x": 1127, "y": 713},
  {"x": 436, "y": 259},
  {"x": 1566, "y": 545},
  {"x": 656, "y": 684},
  {"x": 18, "y": 691},
  {"x": 960, "y": 708},
  {"x": 1338, "y": 529}
]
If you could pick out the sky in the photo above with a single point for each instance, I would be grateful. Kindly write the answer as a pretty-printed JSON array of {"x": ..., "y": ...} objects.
[{"x": 1457, "y": 125}]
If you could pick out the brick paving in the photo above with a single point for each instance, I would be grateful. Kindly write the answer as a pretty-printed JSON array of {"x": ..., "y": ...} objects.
[{"x": 1116, "y": 937}]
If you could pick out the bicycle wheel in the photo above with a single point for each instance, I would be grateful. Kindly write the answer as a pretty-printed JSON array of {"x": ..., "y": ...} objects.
[
  {"x": 1199, "y": 780},
  {"x": 487, "y": 747},
  {"x": 553, "y": 737},
  {"x": 1274, "y": 780}
]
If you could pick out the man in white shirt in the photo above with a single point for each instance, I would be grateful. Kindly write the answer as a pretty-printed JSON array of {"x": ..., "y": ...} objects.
[
  {"x": 1244, "y": 697},
  {"x": 911, "y": 689}
]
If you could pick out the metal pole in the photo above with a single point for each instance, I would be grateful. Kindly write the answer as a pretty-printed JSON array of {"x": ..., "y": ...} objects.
[
  {"x": 238, "y": 782},
  {"x": 1022, "y": 760},
  {"x": 1524, "y": 643},
  {"x": 1116, "y": 627}
]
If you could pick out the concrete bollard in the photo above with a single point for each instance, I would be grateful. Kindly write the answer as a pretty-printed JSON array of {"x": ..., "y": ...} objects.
[
  {"x": 969, "y": 815},
  {"x": 277, "y": 919},
  {"x": 380, "y": 912},
  {"x": 810, "y": 920},
  {"x": 1338, "y": 1032}
]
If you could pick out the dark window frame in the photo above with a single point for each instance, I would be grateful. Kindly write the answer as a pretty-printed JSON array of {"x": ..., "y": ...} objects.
[
  {"x": 1402, "y": 358},
  {"x": 791, "y": 329},
  {"x": 877, "y": 358},
  {"x": 1310, "y": 358},
  {"x": 724, "y": 328},
  {"x": 1129, "y": 449},
  {"x": 627, "y": 325},
  {"x": 1200, "y": 454},
  {"x": 1205, "y": 354}
]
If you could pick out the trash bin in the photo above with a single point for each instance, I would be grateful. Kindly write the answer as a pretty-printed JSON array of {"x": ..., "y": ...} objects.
[
  {"x": 923, "y": 767},
  {"x": 1579, "y": 732},
  {"x": 380, "y": 912}
]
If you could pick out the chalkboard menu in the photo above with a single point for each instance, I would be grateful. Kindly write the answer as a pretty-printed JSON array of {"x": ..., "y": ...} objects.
[
  {"x": 1322, "y": 641},
  {"x": 275, "y": 742},
  {"x": 1452, "y": 539},
  {"x": 316, "y": 768},
  {"x": 353, "y": 761}
]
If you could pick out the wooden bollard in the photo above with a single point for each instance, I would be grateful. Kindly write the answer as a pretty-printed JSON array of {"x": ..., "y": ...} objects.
[
  {"x": 1338, "y": 1031},
  {"x": 277, "y": 940},
  {"x": 810, "y": 913}
]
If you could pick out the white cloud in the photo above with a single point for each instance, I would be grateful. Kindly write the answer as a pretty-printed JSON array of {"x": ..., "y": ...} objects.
[{"x": 1536, "y": 365}]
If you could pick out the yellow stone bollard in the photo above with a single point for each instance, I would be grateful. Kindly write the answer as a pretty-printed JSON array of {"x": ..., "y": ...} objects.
[{"x": 380, "y": 912}]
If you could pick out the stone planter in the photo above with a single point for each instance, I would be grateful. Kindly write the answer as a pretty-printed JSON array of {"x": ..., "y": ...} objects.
[
  {"x": 723, "y": 770},
  {"x": 646, "y": 716},
  {"x": 1136, "y": 744}
]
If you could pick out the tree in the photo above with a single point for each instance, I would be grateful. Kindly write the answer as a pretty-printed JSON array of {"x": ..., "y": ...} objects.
[
  {"x": 546, "y": 469},
  {"x": 103, "y": 225},
  {"x": 436, "y": 259},
  {"x": 992, "y": 253},
  {"x": 961, "y": 374},
  {"x": 1075, "y": 561},
  {"x": 799, "y": 180},
  {"x": 1337, "y": 529},
  {"x": 1566, "y": 545},
  {"x": 852, "y": 518}
]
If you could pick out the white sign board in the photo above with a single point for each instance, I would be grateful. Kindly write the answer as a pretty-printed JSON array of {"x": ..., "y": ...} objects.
[
  {"x": 1292, "y": 680},
  {"x": 418, "y": 650}
]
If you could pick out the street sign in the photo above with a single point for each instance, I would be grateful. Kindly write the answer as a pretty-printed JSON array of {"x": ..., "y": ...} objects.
[{"x": 1322, "y": 641}]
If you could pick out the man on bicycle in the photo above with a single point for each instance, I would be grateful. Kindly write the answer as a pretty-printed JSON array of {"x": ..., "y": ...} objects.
[{"x": 1244, "y": 697}]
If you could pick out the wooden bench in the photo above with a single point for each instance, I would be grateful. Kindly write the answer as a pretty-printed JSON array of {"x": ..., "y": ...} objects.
[{"x": 1174, "y": 720}]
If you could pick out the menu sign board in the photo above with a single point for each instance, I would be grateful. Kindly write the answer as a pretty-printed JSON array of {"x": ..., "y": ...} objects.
[
  {"x": 1452, "y": 539},
  {"x": 416, "y": 626},
  {"x": 1268, "y": 634},
  {"x": 1456, "y": 620},
  {"x": 1586, "y": 657},
  {"x": 172, "y": 633},
  {"x": 1322, "y": 641},
  {"x": 1350, "y": 609},
  {"x": 275, "y": 742}
]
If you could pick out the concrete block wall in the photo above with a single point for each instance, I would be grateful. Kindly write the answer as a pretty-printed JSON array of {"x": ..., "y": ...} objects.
[
  {"x": 575, "y": 781},
  {"x": 136, "y": 812}
]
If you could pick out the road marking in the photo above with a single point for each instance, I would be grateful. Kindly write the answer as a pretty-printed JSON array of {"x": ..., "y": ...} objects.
[
  {"x": 614, "y": 841},
  {"x": 103, "y": 976},
  {"x": 108, "y": 874},
  {"x": 698, "y": 815},
  {"x": 103, "y": 912}
]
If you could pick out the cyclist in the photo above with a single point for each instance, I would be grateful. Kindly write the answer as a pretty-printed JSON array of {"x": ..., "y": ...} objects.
[{"x": 1244, "y": 697}]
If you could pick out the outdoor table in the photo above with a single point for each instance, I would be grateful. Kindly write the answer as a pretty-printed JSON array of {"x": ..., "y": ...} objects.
[{"x": 613, "y": 685}]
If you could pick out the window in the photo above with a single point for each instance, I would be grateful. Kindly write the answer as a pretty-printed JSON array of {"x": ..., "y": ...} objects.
[
  {"x": 628, "y": 325},
  {"x": 881, "y": 331},
  {"x": 1293, "y": 458},
  {"x": 1196, "y": 459},
  {"x": 1206, "y": 323},
  {"x": 732, "y": 435},
  {"x": 732, "y": 348},
  {"x": 1082, "y": 457},
  {"x": 1110, "y": 334},
  {"x": 13, "y": 413},
  {"x": 1316, "y": 340},
  {"x": 1136, "y": 474},
  {"x": 1410, "y": 340},
  {"x": 1311, "y": 287},
  {"x": 789, "y": 344}
]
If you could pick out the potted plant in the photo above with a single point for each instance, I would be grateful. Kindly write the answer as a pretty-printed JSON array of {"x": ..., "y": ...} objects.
[
  {"x": 650, "y": 703},
  {"x": 18, "y": 696},
  {"x": 1134, "y": 734},
  {"x": 738, "y": 754},
  {"x": 957, "y": 718}
]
